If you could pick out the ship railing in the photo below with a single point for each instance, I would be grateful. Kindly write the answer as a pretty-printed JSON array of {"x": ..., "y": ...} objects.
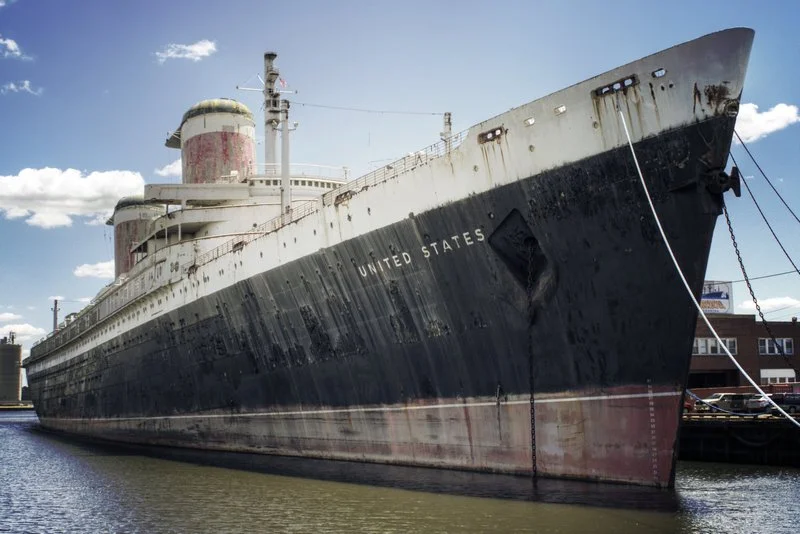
[
  {"x": 300, "y": 170},
  {"x": 387, "y": 172},
  {"x": 297, "y": 213},
  {"x": 401, "y": 166},
  {"x": 111, "y": 299}
]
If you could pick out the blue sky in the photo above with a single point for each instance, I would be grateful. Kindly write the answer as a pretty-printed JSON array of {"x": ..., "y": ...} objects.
[{"x": 90, "y": 89}]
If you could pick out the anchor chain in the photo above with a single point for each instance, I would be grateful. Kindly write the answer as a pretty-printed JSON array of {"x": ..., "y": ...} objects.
[
  {"x": 779, "y": 346},
  {"x": 531, "y": 317}
]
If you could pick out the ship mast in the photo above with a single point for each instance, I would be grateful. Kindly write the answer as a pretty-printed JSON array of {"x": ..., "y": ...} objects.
[
  {"x": 272, "y": 110},
  {"x": 276, "y": 112},
  {"x": 55, "y": 310},
  {"x": 447, "y": 134},
  {"x": 286, "y": 192}
]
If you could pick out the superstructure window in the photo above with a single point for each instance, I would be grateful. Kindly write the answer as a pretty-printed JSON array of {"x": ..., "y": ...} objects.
[
  {"x": 710, "y": 346},
  {"x": 768, "y": 346}
]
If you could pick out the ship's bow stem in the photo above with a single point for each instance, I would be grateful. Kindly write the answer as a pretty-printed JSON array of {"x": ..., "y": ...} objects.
[{"x": 608, "y": 397}]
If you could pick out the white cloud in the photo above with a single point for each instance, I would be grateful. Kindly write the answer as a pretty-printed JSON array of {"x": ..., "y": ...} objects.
[
  {"x": 10, "y": 48},
  {"x": 20, "y": 87},
  {"x": 104, "y": 269},
  {"x": 172, "y": 169},
  {"x": 752, "y": 125},
  {"x": 23, "y": 332},
  {"x": 51, "y": 197},
  {"x": 6, "y": 317},
  {"x": 57, "y": 297},
  {"x": 86, "y": 300},
  {"x": 195, "y": 51},
  {"x": 770, "y": 304}
]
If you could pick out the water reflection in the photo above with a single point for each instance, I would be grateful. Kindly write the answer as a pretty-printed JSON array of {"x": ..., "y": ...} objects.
[{"x": 62, "y": 485}]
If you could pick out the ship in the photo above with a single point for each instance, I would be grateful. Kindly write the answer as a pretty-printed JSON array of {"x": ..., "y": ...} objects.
[{"x": 500, "y": 301}]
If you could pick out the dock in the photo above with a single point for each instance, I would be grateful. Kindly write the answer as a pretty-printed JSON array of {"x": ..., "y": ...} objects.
[
  {"x": 16, "y": 406},
  {"x": 753, "y": 439}
]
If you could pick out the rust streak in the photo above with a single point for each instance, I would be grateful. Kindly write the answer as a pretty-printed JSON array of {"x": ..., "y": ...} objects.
[
  {"x": 697, "y": 98},
  {"x": 717, "y": 96}
]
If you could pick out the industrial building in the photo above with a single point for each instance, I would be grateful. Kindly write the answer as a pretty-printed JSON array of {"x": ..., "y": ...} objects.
[
  {"x": 767, "y": 358},
  {"x": 10, "y": 377}
]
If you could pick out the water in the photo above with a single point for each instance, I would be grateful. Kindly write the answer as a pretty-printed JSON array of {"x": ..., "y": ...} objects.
[{"x": 51, "y": 484}]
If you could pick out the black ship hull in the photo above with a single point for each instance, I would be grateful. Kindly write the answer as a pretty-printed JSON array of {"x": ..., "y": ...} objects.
[{"x": 536, "y": 328}]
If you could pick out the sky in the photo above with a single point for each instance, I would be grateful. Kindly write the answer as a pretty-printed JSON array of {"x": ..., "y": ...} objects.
[{"x": 90, "y": 89}]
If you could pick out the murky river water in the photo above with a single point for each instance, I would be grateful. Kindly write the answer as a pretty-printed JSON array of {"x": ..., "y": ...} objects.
[{"x": 50, "y": 484}]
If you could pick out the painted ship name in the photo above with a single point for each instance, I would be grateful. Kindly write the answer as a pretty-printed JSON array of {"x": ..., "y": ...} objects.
[{"x": 428, "y": 251}]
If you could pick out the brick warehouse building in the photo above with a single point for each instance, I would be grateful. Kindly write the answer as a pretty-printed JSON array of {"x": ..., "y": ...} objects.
[{"x": 751, "y": 345}]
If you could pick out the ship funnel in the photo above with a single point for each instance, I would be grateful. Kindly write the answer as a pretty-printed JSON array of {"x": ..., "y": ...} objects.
[
  {"x": 217, "y": 142},
  {"x": 131, "y": 222}
]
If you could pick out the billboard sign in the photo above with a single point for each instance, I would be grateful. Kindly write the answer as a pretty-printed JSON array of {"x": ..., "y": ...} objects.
[{"x": 717, "y": 297}]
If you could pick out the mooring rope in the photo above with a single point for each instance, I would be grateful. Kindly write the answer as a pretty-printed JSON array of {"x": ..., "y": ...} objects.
[{"x": 686, "y": 284}]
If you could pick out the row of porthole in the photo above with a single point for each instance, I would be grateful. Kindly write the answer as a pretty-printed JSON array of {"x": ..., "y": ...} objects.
[
  {"x": 120, "y": 322},
  {"x": 617, "y": 86},
  {"x": 349, "y": 218},
  {"x": 305, "y": 183}
]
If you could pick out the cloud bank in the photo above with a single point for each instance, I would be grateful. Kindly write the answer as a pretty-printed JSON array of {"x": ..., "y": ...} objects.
[
  {"x": 8, "y": 316},
  {"x": 23, "y": 332},
  {"x": 104, "y": 269},
  {"x": 172, "y": 169},
  {"x": 770, "y": 304},
  {"x": 10, "y": 49},
  {"x": 194, "y": 52},
  {"x": 49, "y": 198},
  {"x": 752, "y": 125},
  {"x": 23, "y": 86}
]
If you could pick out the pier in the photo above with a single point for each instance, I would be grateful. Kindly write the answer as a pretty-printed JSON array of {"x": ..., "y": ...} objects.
[
  {"x": 16, "y": 406},
  {"x": 755, "y": 439}
]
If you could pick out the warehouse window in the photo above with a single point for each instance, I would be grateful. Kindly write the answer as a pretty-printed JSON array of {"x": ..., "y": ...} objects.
[
  {"x": 777, "y": 376},
  {"x": 709, "y": 345},
  {"x": 768, "y": 346}
]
